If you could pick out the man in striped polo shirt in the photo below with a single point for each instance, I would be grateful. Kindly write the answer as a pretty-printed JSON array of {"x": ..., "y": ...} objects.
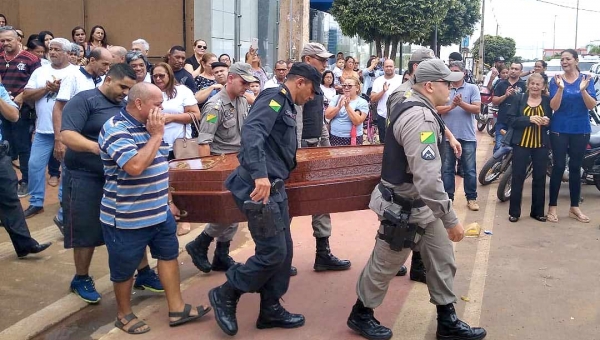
[{"x": 135, "y": 206}]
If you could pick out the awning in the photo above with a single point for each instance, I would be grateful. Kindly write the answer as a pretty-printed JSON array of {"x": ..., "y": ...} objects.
[{"x": 321, "y": 5}]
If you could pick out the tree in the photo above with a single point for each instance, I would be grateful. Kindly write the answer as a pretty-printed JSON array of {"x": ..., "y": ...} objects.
[
  {"x": 495, "y": 46},
  {"x": 593, "y": 49},
  {"x": 458, "y": 23},
  {"x": 389, "y": 22}
]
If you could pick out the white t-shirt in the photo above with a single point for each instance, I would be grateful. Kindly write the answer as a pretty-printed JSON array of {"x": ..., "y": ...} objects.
[
  {"x": 271, "y": 83},
  {"x": 44, "y": 106},
  {"x": 394, "y": 83},
  {"x": 328, "y": 92},
  {"x": 184, "y": 98},
  {"x": 75, "y": 83}
]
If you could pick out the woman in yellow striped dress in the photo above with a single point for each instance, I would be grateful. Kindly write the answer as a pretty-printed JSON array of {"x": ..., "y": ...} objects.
[{"x": 529, "y": 117}]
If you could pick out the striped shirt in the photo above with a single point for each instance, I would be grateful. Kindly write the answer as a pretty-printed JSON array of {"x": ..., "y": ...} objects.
[
  {"x": 532, "y": 135},
  {"x": 131, "y": 202},
  {"x": 15, "y": 72}
]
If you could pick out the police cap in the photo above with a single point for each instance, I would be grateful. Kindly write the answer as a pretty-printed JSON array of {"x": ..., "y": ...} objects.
[
  {"x": 309, "y": 72},
  {"x": 435, "y": 69},
  {"x": 243, "y": 70}
]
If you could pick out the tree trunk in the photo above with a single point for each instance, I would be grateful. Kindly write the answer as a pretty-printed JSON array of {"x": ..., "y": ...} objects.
[
  {"x": 400, "y": 63},
  {"x": 439, "y": 49},
  {"x": 386, "y": 52},
  {"x": 394, "y": 50},
  {"x": 378, "y": 47}
]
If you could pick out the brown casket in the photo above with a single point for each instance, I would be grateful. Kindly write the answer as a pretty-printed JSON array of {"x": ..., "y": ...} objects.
[{"x": 326, "y": 180}]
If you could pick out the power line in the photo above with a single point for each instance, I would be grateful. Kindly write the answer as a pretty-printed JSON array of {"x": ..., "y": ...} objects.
[{"x": 569, "y": 7}]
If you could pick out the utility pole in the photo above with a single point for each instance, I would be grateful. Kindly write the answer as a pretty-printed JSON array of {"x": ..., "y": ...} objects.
[
  {"x": 482, "y": 42},
  {"x": 576, "y": 24},
  {"x": 554, "y": 34},
  {"x": 497, "y": 26}
]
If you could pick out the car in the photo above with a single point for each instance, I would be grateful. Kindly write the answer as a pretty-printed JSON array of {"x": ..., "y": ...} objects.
[{"x": 595, "y": 68}]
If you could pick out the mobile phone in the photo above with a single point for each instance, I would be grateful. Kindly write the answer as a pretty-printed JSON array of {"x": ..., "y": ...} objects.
[{"x": 255, "y": 43}]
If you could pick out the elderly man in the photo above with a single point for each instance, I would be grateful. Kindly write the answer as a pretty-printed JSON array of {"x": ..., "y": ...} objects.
[
  {"x": 220, "y": 71},
  {"x": 132, "y": 149},
  {"x": 118, "y": 53},
  {"x": 42, "y": 89},
  {"x": 140, "y": 45},
  {"x": 281, "y": 71}
]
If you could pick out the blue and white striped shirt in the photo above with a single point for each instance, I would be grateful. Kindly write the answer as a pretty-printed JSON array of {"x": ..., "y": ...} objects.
[{"x": 131, "y": 202}]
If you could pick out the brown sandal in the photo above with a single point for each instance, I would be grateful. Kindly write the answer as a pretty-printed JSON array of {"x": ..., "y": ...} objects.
[
  {"x": 134, "y": 328},
  {"x": 552, "y": 218},
  {"x": 579, "y": 217}
]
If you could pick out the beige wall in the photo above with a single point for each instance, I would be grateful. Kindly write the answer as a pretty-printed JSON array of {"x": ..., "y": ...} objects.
[{"x": 298, "y": 23}]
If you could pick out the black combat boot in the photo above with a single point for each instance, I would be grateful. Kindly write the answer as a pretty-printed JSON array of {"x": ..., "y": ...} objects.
[
  {"x": 362, "y": 321},
  {"x": 451, "y": 328},
  {"x": 272, "y": 314},
  {"x": 325, "y": 260},
  {"x": 223, "y": 300},
  {"x": 417, "y": 268},
  {"x": 198, "y": 250},
  {"x": 222, "y": 261},
  {"x": 402, "y": 271}
]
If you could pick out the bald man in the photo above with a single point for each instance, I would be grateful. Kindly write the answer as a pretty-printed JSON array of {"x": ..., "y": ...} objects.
[{"x": 118, "y": 54}]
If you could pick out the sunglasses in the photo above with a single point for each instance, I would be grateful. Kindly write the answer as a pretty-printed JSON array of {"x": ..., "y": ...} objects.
[
  {"x": 281, "y": 69},
  {"x": 201, "y": 46},
  {"x": 448, "y": 83},
  {"x": 321, "y": 59},
  {"x": 159, "y": 76}
]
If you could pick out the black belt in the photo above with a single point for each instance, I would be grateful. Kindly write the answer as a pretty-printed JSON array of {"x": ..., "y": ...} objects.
[{"x": 388, "y": 195}]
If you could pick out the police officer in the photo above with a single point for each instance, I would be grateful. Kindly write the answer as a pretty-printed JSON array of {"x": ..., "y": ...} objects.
[
  {"x": 11, "y": 211},
  {"x": 312, "y": 132},
  {"x": 414, "y": 210},
  {"x": 220, "y": 132},
  {"x": 267, "y": 155}
]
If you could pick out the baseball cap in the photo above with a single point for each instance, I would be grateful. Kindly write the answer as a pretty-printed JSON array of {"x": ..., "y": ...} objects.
[
  {"x": 315, "y": 49},
  {"x": 435, "y": 69},
  {"x": 218, "y": 64},
  {"x": 243, "y": 70},
  {"x": 422, "y": 54},
  {"x": 498, "y": 59},
  {"x": 309, "y": 72},
  {"x": 455, "y": 56}
]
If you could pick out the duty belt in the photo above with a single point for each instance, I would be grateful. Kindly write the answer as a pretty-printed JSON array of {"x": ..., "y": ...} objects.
[{"x": 388, "y": 195}]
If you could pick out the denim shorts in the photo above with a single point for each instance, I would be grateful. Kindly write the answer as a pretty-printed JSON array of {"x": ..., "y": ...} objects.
[{"x": 126, "y": 247}]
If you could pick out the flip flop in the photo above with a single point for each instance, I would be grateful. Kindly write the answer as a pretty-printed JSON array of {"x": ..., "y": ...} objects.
[
  {"x": 133, "y": 329},
  {"x": 185, "y": 316},
  {"x": 579, "y": 217},
  {"x": 552, "y": 218}
]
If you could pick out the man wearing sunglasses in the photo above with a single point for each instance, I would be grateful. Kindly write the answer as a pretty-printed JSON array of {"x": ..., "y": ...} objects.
[
  {"x": 411, "y": 197},
  {"x": 312, "y": 132}
]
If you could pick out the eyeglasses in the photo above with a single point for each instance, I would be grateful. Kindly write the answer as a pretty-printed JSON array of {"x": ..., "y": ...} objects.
[
  {"x": 159, "y": 76},
  {"x": 448, "y": 83},
  {"x": 347, "y": 85},
  {"x": 201, "y": 46}
]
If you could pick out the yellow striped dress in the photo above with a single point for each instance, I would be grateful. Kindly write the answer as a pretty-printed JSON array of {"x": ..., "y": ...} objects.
[{"x": 532, "y": 136}]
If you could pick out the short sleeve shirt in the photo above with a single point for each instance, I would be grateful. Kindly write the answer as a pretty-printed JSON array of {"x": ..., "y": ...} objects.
[
  {"x": 183, "y": 98},
  {"x": 5, "y": 97},
  {"x": 394, "y": 83},
  {"x": 341, "y": 123},
  {"x": 572, "y": 115},
  {"x": 76, "y": 82},
  {"x": 17, "y": 70},
  {"x": 85, "y": 114},
  {"x": 221, "y": 123},
  {"x": 459, "y": 121},
  {"x": 185, "y": 78}
]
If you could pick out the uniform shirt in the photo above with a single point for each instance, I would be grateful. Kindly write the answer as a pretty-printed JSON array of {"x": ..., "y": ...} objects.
[
  {"x": 459, "y": 121},
  {"x": 341, "y": 123},
  {"x": 500, "y": 90},
  {"x": 75, "y": 83},
  {"x": 221, "y": 123},
  {"x": 85, "y": 114},
  {"x": 44, "y": 105},
  {"x": 132, "y": 202},
  {"x": 427, "y": 179},
  {"x": 177, "y": 104},
  {"x": 393, "y": 83},
  {"x": 268, "y": 147},
  {"x": 402, "y": 92},
  {"x": 6, "y": 98},
  {"x": 185, "y": 78},
  {"x": 572, "y": 115},
  {"x": 16, "y": 72}
]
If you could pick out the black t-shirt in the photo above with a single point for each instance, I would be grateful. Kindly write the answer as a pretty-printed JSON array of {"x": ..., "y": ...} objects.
[
  {"x": 192, "y": 61},
  {"x": 185, "y": 78},
  {"x": 86, "y": 113},
  {"x": 500, "y": 90},
  {"x": 312, "y": 117}
]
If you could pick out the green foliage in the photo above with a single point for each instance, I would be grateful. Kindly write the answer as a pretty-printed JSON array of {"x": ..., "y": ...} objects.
[
  {"x": 593, "y": 49},
  {"x": 459, "y": 22},
  {"x": 495, "y": 46}
]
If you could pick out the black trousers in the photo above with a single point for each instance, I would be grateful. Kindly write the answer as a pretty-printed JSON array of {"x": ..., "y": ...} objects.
[
  {"x": 268, "y": 270},
  {"x": 11, "y": 211},
  {"x": 521, "y": 159},
  {"x": 574, "y": 145},
  {"x": 381, "y": 127}
]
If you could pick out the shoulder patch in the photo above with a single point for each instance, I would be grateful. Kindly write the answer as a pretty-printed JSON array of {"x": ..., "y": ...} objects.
[
  {"x": 428, "y": 154},
  {"x": 283, "y": 91},
  {"x": 427, "y": 137},
  {"x": 211, "y": 118},
  {"x": 275, "y": 105}
]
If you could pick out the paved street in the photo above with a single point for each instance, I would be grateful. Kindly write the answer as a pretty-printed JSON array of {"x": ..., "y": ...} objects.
[{"x": 529, "y": 280}]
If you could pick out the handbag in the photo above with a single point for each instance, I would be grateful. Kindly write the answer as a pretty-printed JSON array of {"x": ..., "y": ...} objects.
[
  {"x": 187, "y": 147},
  {"x": 508, "y": 136}
]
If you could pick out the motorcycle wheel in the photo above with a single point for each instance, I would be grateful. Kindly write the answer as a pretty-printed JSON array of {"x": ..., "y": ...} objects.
[
  {"x": 491, "y": 127},
  {"x": 491, "y": 170},
  {"x": 480, "y": 125},
  {"x": 504, "y": 187}
]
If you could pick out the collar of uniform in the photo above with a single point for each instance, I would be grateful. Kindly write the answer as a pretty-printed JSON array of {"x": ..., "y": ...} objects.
[
  {"x": 130, "y": 118},
  {"x": 286, "y": 93},
  {"x": 419, "y": 97},
  {"x": 224, "y": 97}
]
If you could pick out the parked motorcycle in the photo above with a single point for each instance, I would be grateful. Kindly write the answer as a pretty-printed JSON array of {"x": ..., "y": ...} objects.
[{"x": 496, "y": 165}]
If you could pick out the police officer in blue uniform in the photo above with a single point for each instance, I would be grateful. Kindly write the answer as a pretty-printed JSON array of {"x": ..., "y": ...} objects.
[{"x": 267, "y": 156}]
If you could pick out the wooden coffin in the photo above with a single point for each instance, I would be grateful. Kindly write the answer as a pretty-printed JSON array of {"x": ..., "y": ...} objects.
[{"x": 326, "y": 180}]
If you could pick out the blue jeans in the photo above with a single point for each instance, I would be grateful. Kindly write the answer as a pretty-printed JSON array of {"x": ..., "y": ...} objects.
[
  {"x": 469, "y": 168},
  {"x": 499, "y": 136},
  {"x": 41, "y": 152}
]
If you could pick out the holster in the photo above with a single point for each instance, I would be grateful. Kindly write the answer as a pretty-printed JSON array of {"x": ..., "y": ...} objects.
[
  {"x": 264, "y": 220},
  {"x": 397, "y": 232}
]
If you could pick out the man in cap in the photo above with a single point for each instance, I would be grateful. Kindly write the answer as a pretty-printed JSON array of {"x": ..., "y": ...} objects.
[
  {"x": 267, "y": 156},
  {"x": 312, "y": 132},
  {"x": 414, "y": 210},
  {"x": 490, "y": 76},
  {"x": 220, "y": 132}
]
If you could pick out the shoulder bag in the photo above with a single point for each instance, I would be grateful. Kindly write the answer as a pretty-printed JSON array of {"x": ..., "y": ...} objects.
[{"x": 187, "y": 147}]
